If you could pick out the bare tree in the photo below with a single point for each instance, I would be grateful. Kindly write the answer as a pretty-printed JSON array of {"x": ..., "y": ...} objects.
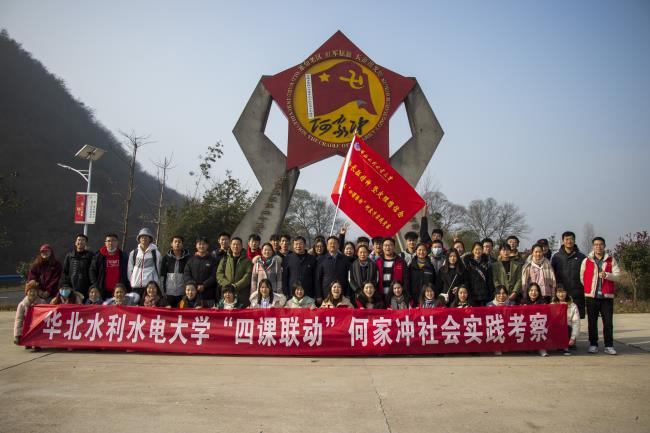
[
  {"x": 163, "y": 167},
  {"x": 134, "y": 142},
  {"x": 588, "y": 233},
  {"x": 310, "y": 215},
  {"x": 489, "y": 219},
  {"x": 446, "y": 215}
]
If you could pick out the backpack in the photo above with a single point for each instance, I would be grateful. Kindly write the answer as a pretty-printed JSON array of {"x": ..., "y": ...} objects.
[{"x": 153, "y": 254}]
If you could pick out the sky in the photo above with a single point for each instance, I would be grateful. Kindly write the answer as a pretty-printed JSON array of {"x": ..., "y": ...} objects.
[{"x": 543, "y": 104}]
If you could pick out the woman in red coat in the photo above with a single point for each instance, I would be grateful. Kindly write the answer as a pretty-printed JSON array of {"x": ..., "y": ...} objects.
[{"x": 46, "y": 270}]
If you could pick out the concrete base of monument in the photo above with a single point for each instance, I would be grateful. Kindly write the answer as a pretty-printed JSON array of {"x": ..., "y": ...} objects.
[{"x": 82, "y": 391}]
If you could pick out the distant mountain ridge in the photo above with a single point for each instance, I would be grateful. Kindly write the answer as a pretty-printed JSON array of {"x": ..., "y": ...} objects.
[{"x": 42, "y": 124}]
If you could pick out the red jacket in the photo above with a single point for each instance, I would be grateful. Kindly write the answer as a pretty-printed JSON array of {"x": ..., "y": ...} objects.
[
  {"x": 589, "y": 275},
  {"x": 399, "y": 272},
  {"x": 47, "y": 274}
]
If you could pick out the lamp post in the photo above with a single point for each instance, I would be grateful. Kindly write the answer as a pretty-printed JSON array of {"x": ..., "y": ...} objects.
[{"x": 90, "y": 153}]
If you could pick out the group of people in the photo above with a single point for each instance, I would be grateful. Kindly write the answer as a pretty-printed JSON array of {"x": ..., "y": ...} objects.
[{"x": 333, "y": 273}]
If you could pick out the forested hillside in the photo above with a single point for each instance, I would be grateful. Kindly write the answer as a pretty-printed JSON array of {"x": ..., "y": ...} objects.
[{"x": 42, "y": 124}]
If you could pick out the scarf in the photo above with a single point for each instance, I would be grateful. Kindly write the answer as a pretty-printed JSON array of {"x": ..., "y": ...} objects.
[
  {"x": 398, "y": 303},
  {"x": 429, "y": 303},
  {"x": 421, "y": 263},
  {"x": 151, "y": 301},
  {"x": 543, "y": 275}
]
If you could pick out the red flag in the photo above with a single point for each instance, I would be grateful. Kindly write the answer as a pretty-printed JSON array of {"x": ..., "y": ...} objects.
[
  {"x": 372, "y": 193},
  {"x": 342, "y": 83}
]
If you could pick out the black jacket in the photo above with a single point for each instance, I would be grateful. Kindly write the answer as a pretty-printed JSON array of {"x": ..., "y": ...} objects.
[
  {"x": 299, "y": 267},
  {"x": 448, "y": 278},
  {"x": 76, "y": 270},
  {"x": 479, "y": 278},
  {"x": 356, "y": 277},
  {"x": 168, "y": 266},
  {"x": 203, "y": 270},
  {"x": 332, "y": 268},
  {"x": 417, "y": 277},
  {"x": 567, "y": 271},
  {"x": 98, "y": 271}
]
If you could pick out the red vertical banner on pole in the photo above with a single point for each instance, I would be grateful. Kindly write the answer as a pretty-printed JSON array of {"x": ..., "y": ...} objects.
[{"x": 80, "y": 208}]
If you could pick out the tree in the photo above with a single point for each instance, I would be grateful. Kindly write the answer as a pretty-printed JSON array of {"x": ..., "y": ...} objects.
[
  {"x": 163, "y": 167},
  {"x": 445, "y": 215},
  {"x": 310, "y": 215},
  {"x": 220, "y": 209},
  {"x": 8, "y": 202},
  {"x": 490, "y": 219},
  {"x": 588, "y": 233},
  {"x": 633, "y": 253},
  {"x": 134, "y": 142}
]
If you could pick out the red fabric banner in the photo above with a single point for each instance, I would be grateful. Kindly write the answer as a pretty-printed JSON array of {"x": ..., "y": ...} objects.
[
  {"x": 322, "y": 332},
  {"x": 342, "y": 83},
  {"x": 374, "y": 195},
  {"x": 80, "y": 208}
]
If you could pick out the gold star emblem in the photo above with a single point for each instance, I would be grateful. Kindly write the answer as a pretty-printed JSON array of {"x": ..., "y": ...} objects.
[{"x": 324, "y": 77}]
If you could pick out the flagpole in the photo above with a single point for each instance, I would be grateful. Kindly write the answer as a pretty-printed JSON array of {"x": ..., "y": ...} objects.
[{"x": 342, "y": 182}]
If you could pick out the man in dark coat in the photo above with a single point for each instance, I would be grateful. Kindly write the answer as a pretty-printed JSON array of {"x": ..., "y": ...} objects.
[
  {"x": 76, "y": 266},
  {"x": 109, "y": 267},
  {"x": 202, "y": 269},
  {"x": 566, "y": 264},
  {"x": 299, "y": 266},
  {"x": 332, "y": 266}
]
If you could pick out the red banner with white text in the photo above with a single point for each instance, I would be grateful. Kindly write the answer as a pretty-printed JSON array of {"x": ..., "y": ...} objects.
[
  {"x": 374, "y": 195},
  {"x": 321, "y": 332}
]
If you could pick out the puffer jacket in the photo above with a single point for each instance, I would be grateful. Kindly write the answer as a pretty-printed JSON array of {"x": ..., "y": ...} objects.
[
  {"x": 479, "y": 276},
  {"x": 172, "y": 269},
  {"x": 272, "y": 272},
  {"x": 567, "y": 271},
  {"x": 23, "y": 306},
  {"x": 76, "y": 270},
  {"x": 278, "y": 300},
  {"x": 144, "y": 266},
  {"x": 589, "y": 275}
]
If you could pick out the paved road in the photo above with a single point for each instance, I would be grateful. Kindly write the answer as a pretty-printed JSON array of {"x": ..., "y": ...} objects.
[
  {"x": 11, "y": 296},
  {"x": 84, "y": 391}
]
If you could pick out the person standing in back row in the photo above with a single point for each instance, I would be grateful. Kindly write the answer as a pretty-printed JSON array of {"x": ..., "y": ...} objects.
[
  {"x": 598, "y": 273},
  {"x": 566, "y": 264},
  {"x": 201, "y": 269},
  {"x": 172, "y": 271},
  {"x": 236, "y": 269},
  {"x": 76, "y": 266},
  {"x": 144, "y": 262}
]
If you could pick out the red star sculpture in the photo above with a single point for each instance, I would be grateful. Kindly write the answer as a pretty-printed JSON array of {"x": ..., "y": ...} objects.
[{"x": 335, "y": 91}]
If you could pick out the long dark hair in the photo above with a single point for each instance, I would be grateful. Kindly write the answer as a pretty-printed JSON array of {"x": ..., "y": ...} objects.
[
  {"x": 330, "y": 298},
  {"x": 460, "y": 266},
  {"x": 270, "y": 286},
  {"x": 377, "y": 299}
]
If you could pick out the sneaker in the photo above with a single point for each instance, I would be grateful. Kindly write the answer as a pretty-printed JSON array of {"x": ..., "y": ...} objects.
[
  {"x": 543, "y": 353},
  {"x": 498, "y": 353},
  {"x": 566, "y": 352},
  {"x": 610, "y": 351},
  {"x": 593, "y": 349}
]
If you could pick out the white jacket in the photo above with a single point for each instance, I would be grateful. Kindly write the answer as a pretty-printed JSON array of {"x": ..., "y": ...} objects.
[
  {"x": 573, "y": 319},
  {"x": 142, "y": 268}
]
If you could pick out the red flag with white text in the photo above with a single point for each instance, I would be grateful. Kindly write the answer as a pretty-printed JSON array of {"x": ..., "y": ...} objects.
[{"x": 372, "y": 193}]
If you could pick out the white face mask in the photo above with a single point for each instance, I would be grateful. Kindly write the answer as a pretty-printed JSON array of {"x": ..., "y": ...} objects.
[
  {"x": 436, "y": 251},
  {"x": 111, "y": 250}
]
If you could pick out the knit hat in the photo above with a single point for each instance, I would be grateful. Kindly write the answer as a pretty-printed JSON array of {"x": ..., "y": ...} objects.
[
  {"x": 45, "y": 247},
  {"x": 144, "y": 232}
]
